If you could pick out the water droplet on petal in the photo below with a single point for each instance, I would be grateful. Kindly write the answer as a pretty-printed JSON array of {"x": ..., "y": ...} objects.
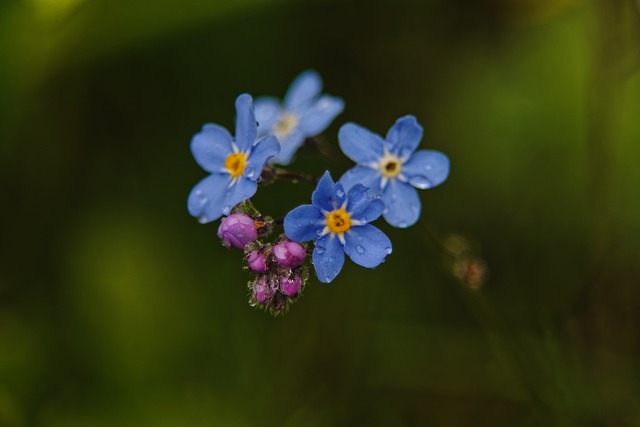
[
  {"x": 360, "y": 249},
  {"x": 249, "y": 172},
  {"x": 320, "y": 250},
  {"x": 339, "y": 193},
  {"x": 428, "y": 167},
  {"x": 420, "y": 182},
  {"x": 327, "y": 278},
  {"x": 388, "y": 250},
  {"x": 202, "y": 219},
  {"x": 258, "y": 179},
  {"x": 226, "y": 210}
]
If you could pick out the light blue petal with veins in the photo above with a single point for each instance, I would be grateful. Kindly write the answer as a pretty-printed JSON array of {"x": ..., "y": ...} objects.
[
  {"x": 402, "y": 204},
  {"x": 404, "y": 137},
  {"x": 263, "y": 150},
  {"x": 207, "y": 197},
  {"x": 288, "y": 147},
  {"x": 361, "y": 206},
  {"x": 426, "y": 169},
  {"x": 327, "y": 195},
  {"x": 246, "y": 128},
  {"x": 366, "y": 176},
  {"x": 303, "y": 89},
  {"x": 366, "y": 245},
  {"x": 328, "y": 257},
  {"x": 211, "y": 146},
  {"x": 360, "y": 144},
  {"x": 268, "y": 112},
  {"x": 319, "y": 115},
  {"x": 303, "y": 223}
]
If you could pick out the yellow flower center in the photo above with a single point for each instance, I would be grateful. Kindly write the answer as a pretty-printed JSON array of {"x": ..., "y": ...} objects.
[
  {"x": 338, "y": 221},
  {"x": 287, "y": 123},
  {"x": 235, "y": 164},
  {"x": 390, "y": 166}
]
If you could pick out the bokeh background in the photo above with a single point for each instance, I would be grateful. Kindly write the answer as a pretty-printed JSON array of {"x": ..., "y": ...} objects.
[{"x": 118, "y": 308}]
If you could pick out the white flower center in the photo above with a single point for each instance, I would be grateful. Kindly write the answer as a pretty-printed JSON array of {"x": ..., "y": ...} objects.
[
  {"x": 286, "y": 125},
  {"x": 390, "y": 166}
]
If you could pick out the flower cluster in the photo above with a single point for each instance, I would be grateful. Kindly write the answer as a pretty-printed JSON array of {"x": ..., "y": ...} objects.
[{"x": 384, "y": 182}]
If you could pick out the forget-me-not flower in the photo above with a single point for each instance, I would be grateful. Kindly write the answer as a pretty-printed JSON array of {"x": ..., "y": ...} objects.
[
  {"x": 338, "y": 221},
  {"x": 392, "y": 168},
  {"x": 303, "y": 113},
  {"x": 235, "y": 164}
]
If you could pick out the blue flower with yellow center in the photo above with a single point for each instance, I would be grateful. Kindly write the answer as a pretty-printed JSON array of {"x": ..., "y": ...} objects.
[
  {"x": 392, "y": 168},
  {"x": 303, "y": 113},
  {"x": 235, "y": 164},
  {"x": 338, "y": 221}
]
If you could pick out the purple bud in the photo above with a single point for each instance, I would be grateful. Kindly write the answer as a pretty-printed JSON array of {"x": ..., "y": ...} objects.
[
  {"x": 289, "y": 254},
  {"x": 262, "y": 290},
  {"x": 237, "y": 230},
  {"x": 290, "y": 286},
  {"x": 257, "y": 261}
]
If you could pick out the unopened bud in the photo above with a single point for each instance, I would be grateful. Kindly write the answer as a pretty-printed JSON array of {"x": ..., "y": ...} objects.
[
  {"x": 237, "y": 230},
  {"x": 289, "y": 254}
]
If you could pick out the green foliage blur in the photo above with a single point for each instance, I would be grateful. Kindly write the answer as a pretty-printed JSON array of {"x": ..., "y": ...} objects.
[{"x": 118, "y": 309}]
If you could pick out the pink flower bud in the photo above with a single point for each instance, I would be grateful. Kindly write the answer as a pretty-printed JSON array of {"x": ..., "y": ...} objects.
[
  {"x": 289, "y": 254},
  {"x": 237, "y": 230},
  {"x": 257, "y": 261},
  {"x": 290, "y": 286},
  {"x": 262, "y": 290}
]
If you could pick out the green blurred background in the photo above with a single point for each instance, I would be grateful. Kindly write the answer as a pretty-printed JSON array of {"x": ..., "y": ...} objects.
[{"x": 118, "y": 308}]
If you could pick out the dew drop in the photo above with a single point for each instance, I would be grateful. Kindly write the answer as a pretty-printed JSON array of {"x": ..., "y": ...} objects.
[
  {"x": 428, "y": 167},
  {"x": 360, "y": 249},
  {"x": 420, "y": 182},
  {"x": 339, "y": 193},
  {"x": 320, "y": 250},
  {"x": 249, "y": 172},
  {"x": 327, "y": 278},
  {"x": 226, "y": 210},
  {"x": 258, "y": 179},
  {"x": 202, "y": 219},
  {"x": 388, "y": 250}
]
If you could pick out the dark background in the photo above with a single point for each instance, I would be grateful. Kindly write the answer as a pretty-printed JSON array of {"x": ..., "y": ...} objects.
[{"x": 118, "y": 308}]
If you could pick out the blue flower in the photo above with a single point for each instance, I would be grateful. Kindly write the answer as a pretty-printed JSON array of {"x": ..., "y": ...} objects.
[
  {"x": 392, "y": 168},
  {"x": 235, "y": 164},
  {"x": 339, "y": 224},
  {"x": 303, "y": 114}
]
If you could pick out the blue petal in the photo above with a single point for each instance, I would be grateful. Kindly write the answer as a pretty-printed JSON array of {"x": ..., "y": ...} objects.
[
  {"x": 366, "y": 176},
  {"x": 303, "y": 89},
  {"x": 240, "y": 191},
  {"x": 360, "y": 145},
  {"x": 211, "y": 146},
  {"x": 361, "y": 206},
  {"x": 402, "y": 204},
  {"x": 327, "y": 195},
  {"x": 288, "y": 147},
  {"x": 303, "y": 223},
  {"x": 404, "y": 137},
  {"x": 268, "y": 112},
  {"x": 366, "y": 245},
  {"x": 319, "y": 116},
  {"x": 246, "y": 128},
  {"x": 426, "y": 169},
  {"x": 328, "y": 257},
  {"x": 264, "y": 150},
  {"x": 207, "y": 197}
]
